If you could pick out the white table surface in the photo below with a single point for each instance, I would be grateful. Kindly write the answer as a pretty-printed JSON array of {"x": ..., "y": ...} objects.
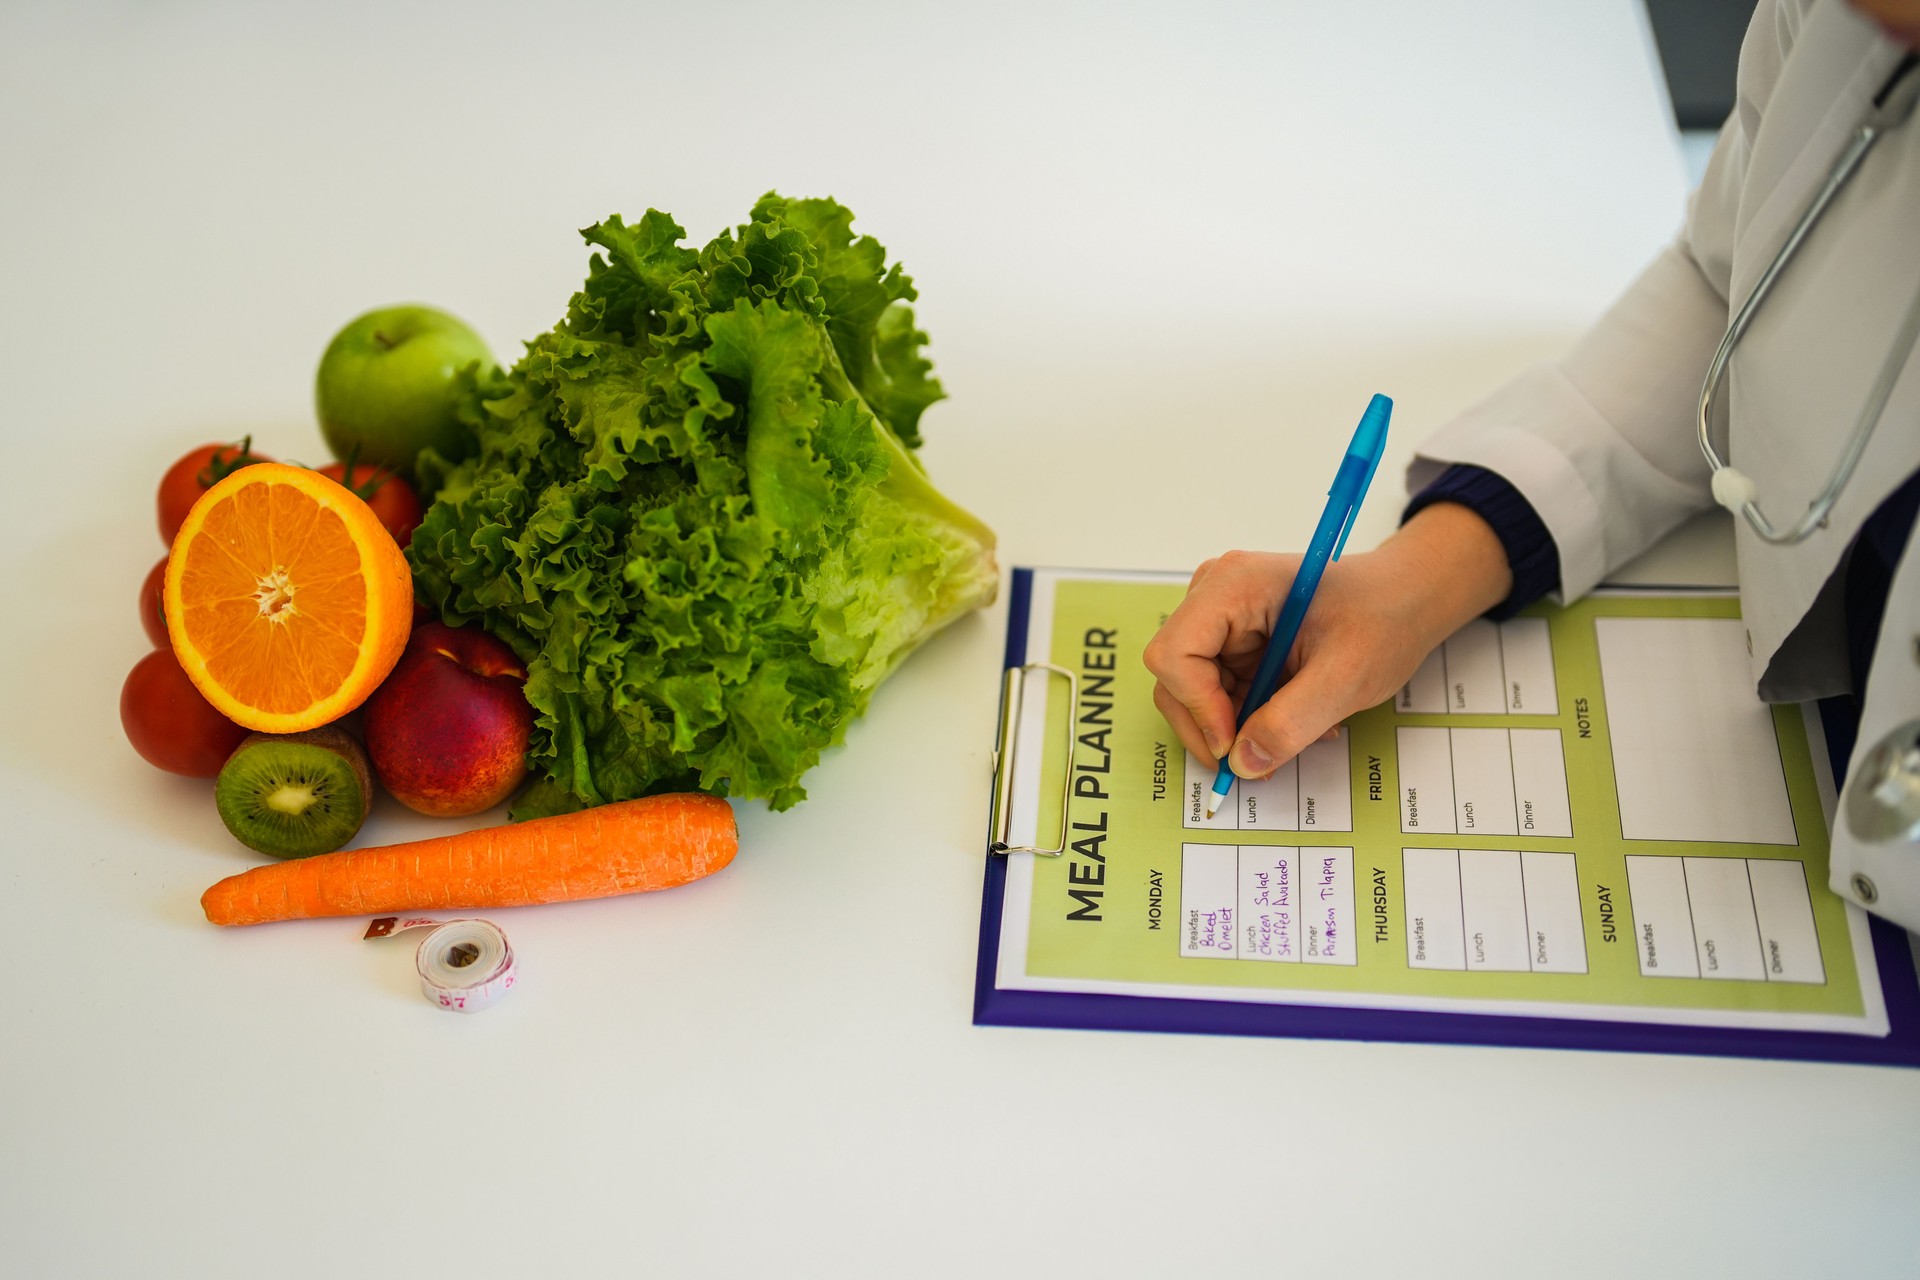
[{"x": 1143, "y": 234}]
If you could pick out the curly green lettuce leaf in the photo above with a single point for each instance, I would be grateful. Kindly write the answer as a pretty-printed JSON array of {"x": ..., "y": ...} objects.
[{"x": 693, "y": 509}]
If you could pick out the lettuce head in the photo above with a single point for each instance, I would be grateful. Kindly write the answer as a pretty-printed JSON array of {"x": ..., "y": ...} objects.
[{"x": 695, "y": 511}]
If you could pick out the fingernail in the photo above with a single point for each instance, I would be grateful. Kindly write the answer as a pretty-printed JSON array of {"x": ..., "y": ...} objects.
[
  {"x": 1249, "y": 761},
  {"x": 1214, "y": 746}
]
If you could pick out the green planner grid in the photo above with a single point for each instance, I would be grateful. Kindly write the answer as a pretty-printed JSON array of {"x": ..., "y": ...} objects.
[{"x": 1145, "y": 835}]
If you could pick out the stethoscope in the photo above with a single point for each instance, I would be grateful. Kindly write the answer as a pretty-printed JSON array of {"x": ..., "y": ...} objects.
[
  {"x": 1881, "y": 803},
  {"x": 1734, "y": 489}
]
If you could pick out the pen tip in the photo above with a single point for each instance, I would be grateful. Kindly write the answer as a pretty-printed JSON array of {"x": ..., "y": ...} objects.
[{"x": 1213, "y": 802}]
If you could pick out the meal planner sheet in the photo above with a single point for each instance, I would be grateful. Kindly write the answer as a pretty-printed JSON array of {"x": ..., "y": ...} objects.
[{"x": 1579, "y": 813}]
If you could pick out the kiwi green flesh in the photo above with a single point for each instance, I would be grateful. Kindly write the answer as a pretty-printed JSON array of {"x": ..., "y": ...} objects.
[{"x": 296, "y": 795}]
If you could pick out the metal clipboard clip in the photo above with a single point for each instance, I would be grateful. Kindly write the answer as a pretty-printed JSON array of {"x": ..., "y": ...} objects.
[{"x": 1013, "y": 690}]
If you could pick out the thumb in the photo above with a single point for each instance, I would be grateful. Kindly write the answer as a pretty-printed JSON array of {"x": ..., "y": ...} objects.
[{"x": 1299, "y": 714}]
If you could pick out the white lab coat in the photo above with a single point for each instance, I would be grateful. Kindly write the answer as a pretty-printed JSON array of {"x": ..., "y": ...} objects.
[{"x": 1602, "y": 443}]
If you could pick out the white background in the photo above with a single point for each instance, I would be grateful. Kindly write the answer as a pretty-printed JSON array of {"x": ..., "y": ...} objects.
[{"x": 1167, "y": 253}]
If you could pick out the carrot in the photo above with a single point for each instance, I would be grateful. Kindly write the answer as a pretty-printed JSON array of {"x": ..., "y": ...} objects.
[{"x": 630, "y": 846}]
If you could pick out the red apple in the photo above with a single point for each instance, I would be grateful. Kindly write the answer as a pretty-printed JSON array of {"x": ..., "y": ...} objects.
[{"x": 447, "y": 731}]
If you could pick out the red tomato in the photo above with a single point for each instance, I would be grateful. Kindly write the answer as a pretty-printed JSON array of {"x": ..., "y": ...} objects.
[
  {"x": 152, "y": 616},
  {"x": 196, "y": 473},
  {"x": 170, "y": 724},
  {"x": 391, "y": 497}
]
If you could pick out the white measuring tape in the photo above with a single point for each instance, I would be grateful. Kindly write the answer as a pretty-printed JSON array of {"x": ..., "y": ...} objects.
[{"x": 464, "y": 965}]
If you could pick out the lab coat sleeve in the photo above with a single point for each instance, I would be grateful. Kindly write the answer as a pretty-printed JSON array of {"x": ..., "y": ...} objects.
[{"x": 1602, "y": 442}]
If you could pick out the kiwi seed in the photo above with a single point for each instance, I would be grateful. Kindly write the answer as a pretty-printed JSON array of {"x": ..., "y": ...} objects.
[{"x": 294, "y": 795}]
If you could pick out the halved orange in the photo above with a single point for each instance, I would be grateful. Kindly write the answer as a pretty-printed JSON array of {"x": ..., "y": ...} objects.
[{"x": 287, "y": 602}]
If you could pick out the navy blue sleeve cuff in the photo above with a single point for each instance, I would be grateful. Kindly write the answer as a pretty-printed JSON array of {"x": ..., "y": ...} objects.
[{"x": 1531, "y": 552}]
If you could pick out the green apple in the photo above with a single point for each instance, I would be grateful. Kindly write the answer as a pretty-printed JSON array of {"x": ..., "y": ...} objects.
[{"x": 386, "y": 385}]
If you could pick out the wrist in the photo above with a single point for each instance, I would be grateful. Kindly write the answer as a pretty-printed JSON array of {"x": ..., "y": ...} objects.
[{"x": 1455, "y": 566}]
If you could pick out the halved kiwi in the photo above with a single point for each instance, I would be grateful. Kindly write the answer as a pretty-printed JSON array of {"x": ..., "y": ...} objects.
[{"x": 297, "y": 794}]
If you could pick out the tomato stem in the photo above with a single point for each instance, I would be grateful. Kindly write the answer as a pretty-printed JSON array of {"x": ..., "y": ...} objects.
[
  {"x": 221, "y": 464},
  {"x": 365, "y": 491}
]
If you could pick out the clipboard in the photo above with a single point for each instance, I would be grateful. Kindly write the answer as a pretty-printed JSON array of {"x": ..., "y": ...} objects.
[{"x": 1891, "y": 963}]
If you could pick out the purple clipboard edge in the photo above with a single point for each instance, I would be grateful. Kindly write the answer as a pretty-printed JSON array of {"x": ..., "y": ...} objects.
[{"x": 995, "y": 1007}]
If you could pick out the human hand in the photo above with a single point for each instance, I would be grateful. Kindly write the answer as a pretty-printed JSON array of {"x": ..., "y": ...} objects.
[{"x": 1375, "y": 618}]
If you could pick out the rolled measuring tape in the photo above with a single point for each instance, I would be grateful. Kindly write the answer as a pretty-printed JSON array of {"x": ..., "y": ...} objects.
[{"x": 464, "y": 965}]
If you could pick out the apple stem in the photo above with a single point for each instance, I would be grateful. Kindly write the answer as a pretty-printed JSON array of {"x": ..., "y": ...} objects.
[{"x": 384, "y": 340}]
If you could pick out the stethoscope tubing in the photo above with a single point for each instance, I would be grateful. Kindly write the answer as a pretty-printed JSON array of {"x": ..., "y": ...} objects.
[{"x": 1731, "y": 487}]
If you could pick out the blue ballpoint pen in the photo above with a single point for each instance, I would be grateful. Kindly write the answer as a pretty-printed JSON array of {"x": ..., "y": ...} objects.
[{"x": 1329, "y": 539}]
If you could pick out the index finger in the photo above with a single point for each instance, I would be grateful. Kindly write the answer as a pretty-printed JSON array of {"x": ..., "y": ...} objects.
[{"x": 1184, "y": 657}]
